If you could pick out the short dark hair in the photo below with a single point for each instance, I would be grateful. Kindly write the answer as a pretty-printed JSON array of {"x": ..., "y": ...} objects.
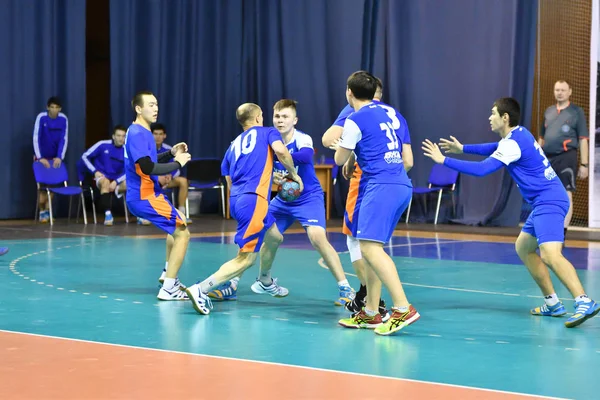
[
  {"x": 138, "y": 99},
  {"x": 119, "y": 128},
  {"x": 563, "y": 81},
  {"x": 363, "y": 85},
  {"x": 285, "y": 103},
  {"x": 510, "y": 106},
  {"x": 157, "y": 126},
  {"x": 54, "y": 100}
]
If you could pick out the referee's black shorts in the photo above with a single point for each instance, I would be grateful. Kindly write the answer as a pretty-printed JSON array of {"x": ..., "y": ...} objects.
[{"x": 565, "y": 165}]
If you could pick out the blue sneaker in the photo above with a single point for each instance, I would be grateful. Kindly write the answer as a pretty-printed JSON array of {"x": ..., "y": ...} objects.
[
  {"x": 557, "y": 310},
  {"x": 346, "y": 295},
  {"x": 108, "y": 219},
  {"x": 3, "y": 250},
  {"x": 583, "y": 312},
  {"x": 223, "y": 292}
]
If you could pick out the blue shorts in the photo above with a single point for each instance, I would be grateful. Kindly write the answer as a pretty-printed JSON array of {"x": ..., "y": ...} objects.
[
  {"x": 546, "y": 222},
  {"x": 379, "y": 211},
  {"x": 159, "y": 211},
  {"x": 309, "y": 211},
  {"x": 251, "y": 212}
]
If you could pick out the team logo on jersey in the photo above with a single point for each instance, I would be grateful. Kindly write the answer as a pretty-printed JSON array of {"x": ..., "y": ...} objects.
[
  {"x": 393, "y": 157},
  {"x": 549, "y": 173}
]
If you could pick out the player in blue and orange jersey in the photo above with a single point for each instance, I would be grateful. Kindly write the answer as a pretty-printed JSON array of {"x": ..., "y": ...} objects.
[
  {"x": 352, "y": 171},
  {"x": 144, "y": 197},
  {"x": 308, "y": 209},
  {"x": 248, "y": 168},
  {"x": 542, "y": 188},
  {"x": 378, "y": 135}
]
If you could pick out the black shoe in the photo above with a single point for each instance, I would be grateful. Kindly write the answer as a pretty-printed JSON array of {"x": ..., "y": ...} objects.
[{"x": 357, "y": 303}]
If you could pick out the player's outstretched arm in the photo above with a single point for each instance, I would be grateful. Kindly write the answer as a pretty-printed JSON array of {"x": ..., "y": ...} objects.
[
  {"x": 453, "y": 146},
  {"x": 475, "y": 168},
  {"x": 285, "y": 158}
]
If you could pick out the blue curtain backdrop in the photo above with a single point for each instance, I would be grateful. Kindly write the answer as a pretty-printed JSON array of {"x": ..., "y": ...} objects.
[
  {"x": 442, "y": 63},
  {"x": 204, "y": 58},
  {"x": 42, "y": 43}
]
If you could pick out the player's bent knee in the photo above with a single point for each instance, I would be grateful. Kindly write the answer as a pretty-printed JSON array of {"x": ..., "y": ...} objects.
[
  {"x": 354, "y": 248},
  {"x": 551, "y": 254},
  {"x": 316, "y": 235},
  {"x": 370, "y": 248},
  {"x": 181, "y": 181},
  {"x": 182, "y": 233},
  {"x": 273, "y": 237}
]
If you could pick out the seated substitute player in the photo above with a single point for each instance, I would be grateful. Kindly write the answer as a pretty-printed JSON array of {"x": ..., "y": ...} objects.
[
  {"x": 248, "y": 168},
  {"x": 50, "y": 140},
  {"x": 174, "y": 179},
  {"x": 144, "y": 197},
  {"x": 105, "y": 160},
  {"x": 352, "y": 171},
  {"x": 308, "y": 209},
  {"x": 378, "y": 135},
  {"x": 540, "y": 187}
]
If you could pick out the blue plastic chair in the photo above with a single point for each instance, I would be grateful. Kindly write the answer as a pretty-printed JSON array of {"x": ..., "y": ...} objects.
[
  {"x": 204, "y": 174},
  {"x": 440, "y": 178},
  {"x": 49, "y": 179}
]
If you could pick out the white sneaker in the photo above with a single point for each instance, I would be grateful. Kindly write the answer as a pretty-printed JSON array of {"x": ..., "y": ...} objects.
[
  {"x": 273, "y": 289},
  {"x": 200, "y": 301},
  {"x": 177, "y": 293}
]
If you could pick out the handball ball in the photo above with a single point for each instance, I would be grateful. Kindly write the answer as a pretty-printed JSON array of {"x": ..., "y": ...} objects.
[{"x": 289, "y": 190}]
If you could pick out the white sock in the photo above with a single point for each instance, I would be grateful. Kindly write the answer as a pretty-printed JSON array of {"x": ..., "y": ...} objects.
[
  {"x": 169, "y": 283},
  {"x": 208, "y": 284},
  {"x": 234, "y": 282},
  {"x": 344, "y": 283},
  {"x": 107, "y": 213},
  {"x": 583, "y": 298},
  {"x": 265, "y": 278},
  {"x": 370, "y": 313},
  {"x": 166, "y": 265},
  {"x": 401, "y": 309},
  {"x": 551, "y": 300}
]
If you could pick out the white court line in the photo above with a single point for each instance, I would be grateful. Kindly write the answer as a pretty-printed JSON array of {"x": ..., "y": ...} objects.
[
  {"x": 76, "y": 234},
  {"x": 322, "y": 264},
  {"x": 331, "y": 371}
]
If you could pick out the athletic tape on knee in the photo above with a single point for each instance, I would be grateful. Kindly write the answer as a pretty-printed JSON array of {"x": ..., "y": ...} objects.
[{"x": 353, "y": 248}]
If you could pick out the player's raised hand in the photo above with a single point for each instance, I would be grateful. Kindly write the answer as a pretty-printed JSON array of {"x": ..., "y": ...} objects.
[
  {"x": 179, "y": 148},
  {"x": 183, "y": 158},
  {"x": 432, "y": 151},
  {"x": 451, "y": 146}
]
